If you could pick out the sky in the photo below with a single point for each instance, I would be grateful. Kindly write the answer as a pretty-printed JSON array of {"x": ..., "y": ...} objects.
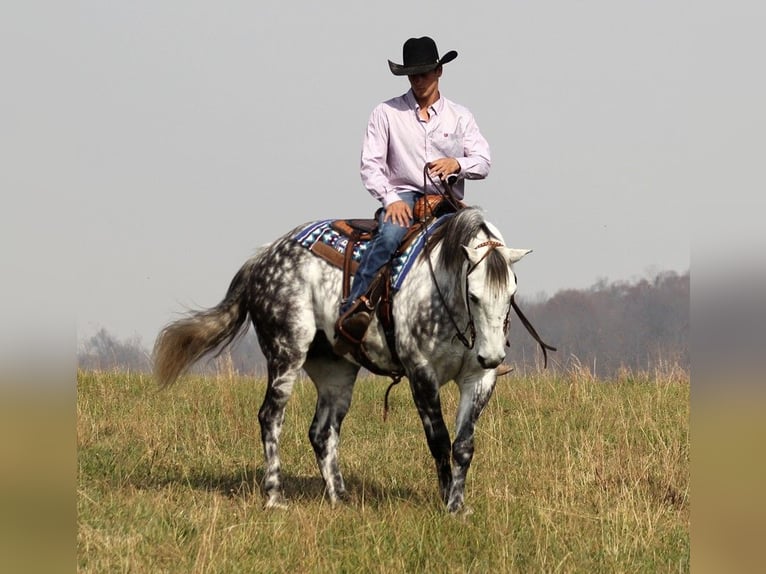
[{"x": 150, "y": 147}]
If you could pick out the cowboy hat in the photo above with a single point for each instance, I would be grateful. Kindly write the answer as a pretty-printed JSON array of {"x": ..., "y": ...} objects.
[{"x": 420, "y": 56}]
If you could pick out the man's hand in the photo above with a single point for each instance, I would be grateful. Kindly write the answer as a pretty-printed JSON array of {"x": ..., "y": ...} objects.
[
  {"x": 443, "y": 167},
  {"x": 399, "y": 212}
]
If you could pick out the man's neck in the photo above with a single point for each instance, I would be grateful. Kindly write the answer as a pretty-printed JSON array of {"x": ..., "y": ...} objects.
[
  {"x": 424, "y": 105},
  {"x": 427, "y": 102}
]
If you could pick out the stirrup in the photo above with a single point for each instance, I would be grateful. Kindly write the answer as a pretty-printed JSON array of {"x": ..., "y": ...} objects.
[{"x": 351, "y": 326}]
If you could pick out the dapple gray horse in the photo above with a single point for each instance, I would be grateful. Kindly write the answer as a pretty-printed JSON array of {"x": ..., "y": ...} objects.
[{"x": 451, "y": 317}]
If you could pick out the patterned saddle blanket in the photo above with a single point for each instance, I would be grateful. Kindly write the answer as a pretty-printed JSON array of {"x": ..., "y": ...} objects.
[{"x": 326, "y": 241}]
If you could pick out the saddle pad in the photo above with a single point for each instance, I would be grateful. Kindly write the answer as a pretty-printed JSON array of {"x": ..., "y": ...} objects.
[{"x": 319, "y": 236}]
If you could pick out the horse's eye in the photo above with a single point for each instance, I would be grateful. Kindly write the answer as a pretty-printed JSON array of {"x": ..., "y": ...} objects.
[{"x": 473, "y": 298}]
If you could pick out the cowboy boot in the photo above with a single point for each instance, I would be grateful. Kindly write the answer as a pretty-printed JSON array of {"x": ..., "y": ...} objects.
[
  {"x": 350, "y": 328},
  {"x": 354, "y": 327}
]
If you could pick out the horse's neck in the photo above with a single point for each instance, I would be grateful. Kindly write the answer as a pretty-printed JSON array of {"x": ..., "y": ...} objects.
[{"x": 450, "y": 285}]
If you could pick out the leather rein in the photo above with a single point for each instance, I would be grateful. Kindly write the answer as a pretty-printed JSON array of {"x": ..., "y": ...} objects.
[{"x": 446, "y": 191}]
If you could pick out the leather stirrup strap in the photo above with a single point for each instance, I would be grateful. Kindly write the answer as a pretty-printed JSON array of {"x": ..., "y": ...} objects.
[
  {"x": 353, "y": 239},
  {"x": 386, "y": 315}
]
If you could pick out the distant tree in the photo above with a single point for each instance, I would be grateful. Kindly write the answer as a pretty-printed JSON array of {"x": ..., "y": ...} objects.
[
  {"x": 103, "y": 352},
  {"x": 246, "y": 355},
  {"x": 610, "y": 327}
]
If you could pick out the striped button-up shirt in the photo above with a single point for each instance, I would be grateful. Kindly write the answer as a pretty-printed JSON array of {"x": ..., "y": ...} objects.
[{"x": 398, "y": 144}]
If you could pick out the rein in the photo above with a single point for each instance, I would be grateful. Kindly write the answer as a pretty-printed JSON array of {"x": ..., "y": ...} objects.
[
  {"x": 449, "y": 196},
  {"x": 446, "y": 193},
  {"x": 445, "y": 189},
  {"x": 532, "y": 331},
  {"x": 492, "y": 244}
]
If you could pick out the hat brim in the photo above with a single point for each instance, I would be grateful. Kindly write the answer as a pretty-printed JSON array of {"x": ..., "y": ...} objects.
[{"x": 400, "y": 70}]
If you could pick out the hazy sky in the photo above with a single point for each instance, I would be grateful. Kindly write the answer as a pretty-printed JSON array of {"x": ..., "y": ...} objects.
[{"x": 150, "y": 147}]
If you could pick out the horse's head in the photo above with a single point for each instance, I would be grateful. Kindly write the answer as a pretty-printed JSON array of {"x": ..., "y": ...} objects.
[
  {"x": 486, "y": 281},
  {"x": 490, "y": 283}
]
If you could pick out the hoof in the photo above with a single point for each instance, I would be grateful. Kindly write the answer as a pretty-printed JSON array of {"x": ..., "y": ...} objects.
[
  {"x": 339, "y": 499},
  {"x": 461, "y": 511},
  {"x": 277, "y": 502},
  {"x": 464, "y": 512},
  {"x": 343, "y": 496},
  {"x": 456, "y": 506}
]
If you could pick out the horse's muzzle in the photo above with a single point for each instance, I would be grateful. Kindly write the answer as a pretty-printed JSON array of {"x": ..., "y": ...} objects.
[{"x": 488, "y": 363}]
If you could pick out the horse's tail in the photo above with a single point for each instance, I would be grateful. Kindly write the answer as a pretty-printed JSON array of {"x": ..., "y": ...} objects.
[{"x": 183, "y": 342}]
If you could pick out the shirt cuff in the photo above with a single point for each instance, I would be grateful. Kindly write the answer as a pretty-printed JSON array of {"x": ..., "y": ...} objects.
[
  {"x": 463, "y": 163},
  {"x": 389, "y": 197}
]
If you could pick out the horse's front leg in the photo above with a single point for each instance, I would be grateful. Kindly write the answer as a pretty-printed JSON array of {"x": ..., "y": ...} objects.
[
  {"x": 474, "y": 395},
  {"x": 425, "y": 392}
]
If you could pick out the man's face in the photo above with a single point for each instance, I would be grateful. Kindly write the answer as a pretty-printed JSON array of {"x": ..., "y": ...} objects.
[{"x": 425, "y": 85}]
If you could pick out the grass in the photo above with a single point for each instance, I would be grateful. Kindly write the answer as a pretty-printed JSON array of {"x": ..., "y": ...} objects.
[{"x": 570, "y": 474}]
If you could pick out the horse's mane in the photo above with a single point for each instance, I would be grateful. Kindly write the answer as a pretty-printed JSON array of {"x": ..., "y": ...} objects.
[{"x": 459, "y": 230}]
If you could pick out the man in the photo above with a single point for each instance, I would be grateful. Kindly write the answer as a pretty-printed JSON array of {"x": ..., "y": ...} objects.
[{"x": 404, "y": 134}]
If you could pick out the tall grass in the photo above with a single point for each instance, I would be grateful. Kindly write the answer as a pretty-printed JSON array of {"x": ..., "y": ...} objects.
[{"x": 571, "y": 474}]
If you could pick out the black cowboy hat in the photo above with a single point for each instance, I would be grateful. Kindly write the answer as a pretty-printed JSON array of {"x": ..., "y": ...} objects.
[{"x": 420, "y": 56}]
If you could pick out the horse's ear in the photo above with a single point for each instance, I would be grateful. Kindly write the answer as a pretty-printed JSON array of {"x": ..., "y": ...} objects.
[{"x": 513, "y": 255}]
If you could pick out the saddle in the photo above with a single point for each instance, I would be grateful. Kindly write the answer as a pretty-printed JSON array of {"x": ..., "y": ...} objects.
[{"x": 379, "y": 296}]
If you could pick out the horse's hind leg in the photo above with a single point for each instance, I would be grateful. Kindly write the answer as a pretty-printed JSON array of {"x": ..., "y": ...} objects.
[
  {"x": 271, "y": 417},
  {"x": 334, "y": 380}
]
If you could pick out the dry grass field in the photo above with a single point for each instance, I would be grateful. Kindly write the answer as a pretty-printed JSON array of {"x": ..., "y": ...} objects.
[{"x": 571, "y": 474}]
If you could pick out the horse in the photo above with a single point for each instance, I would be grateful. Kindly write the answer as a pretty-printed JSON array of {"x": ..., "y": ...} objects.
[{"x": 451, "y": 320}]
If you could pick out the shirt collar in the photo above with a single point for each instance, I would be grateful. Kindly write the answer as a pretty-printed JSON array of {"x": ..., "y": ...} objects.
[{"x": 437, "y": 106}]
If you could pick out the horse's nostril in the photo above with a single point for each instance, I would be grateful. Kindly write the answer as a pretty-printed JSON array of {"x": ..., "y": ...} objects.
[{"x": 487, "y": 363}]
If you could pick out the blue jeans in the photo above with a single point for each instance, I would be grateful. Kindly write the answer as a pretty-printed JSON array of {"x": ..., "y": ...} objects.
[{"x": 379, "y": 252}]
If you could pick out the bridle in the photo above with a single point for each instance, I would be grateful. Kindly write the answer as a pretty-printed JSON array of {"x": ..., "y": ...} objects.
[
  {"x": 471, "y": 327},
  {"x": 447, "y": 193},
  {"x": 445, "y": 190},
  {"x": 492, "y": 244}
]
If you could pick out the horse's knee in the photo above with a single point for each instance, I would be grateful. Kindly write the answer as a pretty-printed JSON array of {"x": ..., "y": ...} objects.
[
  {"x": 265, "y": 416},
  {"x": 273, "y": 408},
  {"x": 439, "y": 445},
  {"x": 318, "y": 437},
  {"x": 462, "y": 452}
]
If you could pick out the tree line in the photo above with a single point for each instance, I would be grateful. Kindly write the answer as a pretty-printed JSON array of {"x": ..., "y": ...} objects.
[{"x": 608, "y": 328}]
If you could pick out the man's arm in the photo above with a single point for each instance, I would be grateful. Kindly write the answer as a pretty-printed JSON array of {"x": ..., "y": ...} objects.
[
  {"x": 476, "y": 162},
  {"x": 374, "y": 158}
]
